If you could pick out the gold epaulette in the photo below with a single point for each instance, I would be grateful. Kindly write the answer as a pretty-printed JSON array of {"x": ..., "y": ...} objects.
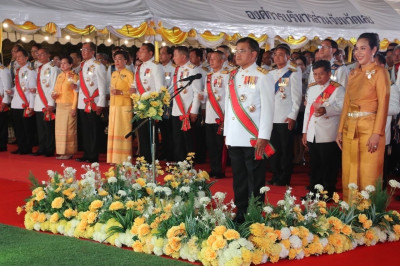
[
  {"x": 97, "y": 62},
  {"x": 338, "y": 63},
  {"x": 191, "y": 66},
  {"x": 312, "y": 84},
  {"x": 2, "y": 67},
  {"x": 262, "y": 70},
  {"x": 234, "y": 68},
  {"x": 52, "y": 64},
  {"x": 174, "y": 65},
  {"x": 293, "y": 69},
  {"x": 155, "y": 62},
  {"x": 225, "y": 72},
  {"x": 293, "y": 64},
  {"x": 231, "y": 64},
  {"x": 210, "y": 73},
  {"x": 30, "y": 68},
  {"x": 334, "y": 83},
  {"x": 205, "y": 69}
]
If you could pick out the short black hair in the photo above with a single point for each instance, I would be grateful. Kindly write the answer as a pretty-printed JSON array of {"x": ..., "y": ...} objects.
[
  {"x": 79, "y": 55},
  {"x": 325, "y": 64},
  {"x": 149, "y": 46},
  {"x": 253, "y": 44},
  {"x": 69, "y": 59},
  {"x": 24, "y": 52},
  {"x": 373, "y": 39},
  {"x": 123, "y": 53},
  {"x": 170, "y": 50},
  {"x": 199, "y": 52},
  {"x": 334, "y": 44},
  {"x": 303, "y": 59},
  {"x": 218, "y": 52},
  {"x": 283, "y": 46},
  {"x": 380, "y": 58},
  {"x": 92, "y": 45},
  {"x": 183, "y": 50},
  {"x": 37, "y": 45}
]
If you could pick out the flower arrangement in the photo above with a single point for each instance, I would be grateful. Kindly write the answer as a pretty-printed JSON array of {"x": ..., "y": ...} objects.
[
  {"x": 150, "y": 104},
  {"x": 179, "y": 217}
]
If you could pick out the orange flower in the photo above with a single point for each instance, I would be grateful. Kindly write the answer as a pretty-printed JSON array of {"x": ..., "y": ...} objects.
[
  {"x": 143, "y": 230},
  {"x": 54, "y": 218},
  {"x": 116, "y": 205},
  {"x": 335, "y": 197},
  {"x": 396, "y": 229},
  {"x": 96, "y": 204},
  {"x": 219, "y": 243},
  {"x": 141, "y": 182},
  {"x": 231, "y": 234},
  {"x": 19, "y": 210},
  {"x": 40, "y": 195},
  {"x": 137, "y": 246},
  {"x": 57, "y": 203},
  {"x": 347, "y": 230},
  {"x": 175, "y": 243},
  {"x": 362, "y": 218},
  {"x": 219, "y": 230}
]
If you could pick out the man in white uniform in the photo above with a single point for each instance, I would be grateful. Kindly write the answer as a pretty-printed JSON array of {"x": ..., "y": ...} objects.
[{"x": 5, "y": 85}]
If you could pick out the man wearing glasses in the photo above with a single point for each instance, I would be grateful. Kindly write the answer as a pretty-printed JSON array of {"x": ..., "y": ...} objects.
[
  {"x": 339, "y": 72},
  {"x": 91, "y": 102},
  {"x": 249, "y": 113}
]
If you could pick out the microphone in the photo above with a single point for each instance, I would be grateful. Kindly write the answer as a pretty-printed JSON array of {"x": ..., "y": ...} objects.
[{"x": 192, "y": 77}]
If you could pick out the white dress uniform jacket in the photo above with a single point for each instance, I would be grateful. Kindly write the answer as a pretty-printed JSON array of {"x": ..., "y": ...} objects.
[
  {"x": 287, "y": 102},
  {"x": 219, "y": 83},
  {"x": 151, "y": 75},
  {"x": 258, "y": 101},
  {"x": 323, "y": 128},
  {"x": 48, "y": 77},
  {"x": 27, "y": 80},
  {"x": 394, "y": 109},
  {"x": 94, "y": 76},
  {"x": 168, "y": 74},
  {"x": 190, "y": 94},
  {"x": 5, "y": 81},
  {"x": 341, "y": 75}
]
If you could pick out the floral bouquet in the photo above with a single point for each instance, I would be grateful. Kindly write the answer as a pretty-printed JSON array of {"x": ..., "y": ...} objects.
[{"x": 150, "y": 104}]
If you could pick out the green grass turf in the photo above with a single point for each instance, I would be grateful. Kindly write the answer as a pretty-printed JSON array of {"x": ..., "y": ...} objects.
[{"x": 23, "y": 247}]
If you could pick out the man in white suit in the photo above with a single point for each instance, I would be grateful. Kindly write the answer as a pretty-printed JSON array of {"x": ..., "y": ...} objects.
[{"x": 321, "y": 120}]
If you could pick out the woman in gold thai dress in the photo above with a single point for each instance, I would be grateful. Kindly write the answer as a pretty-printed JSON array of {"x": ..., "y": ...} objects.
[
  {"x": 119, "y": 148},
  {"x": 66, "y": 98},
  {"x": 361, "y": 133}
]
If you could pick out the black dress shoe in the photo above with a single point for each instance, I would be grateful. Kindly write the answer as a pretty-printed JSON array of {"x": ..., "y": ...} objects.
[
  {"x": 38, "y": 153},
  {"x": 81, "y": 159},
  {"x": 15, "y": 152},
  {"x": 92, "y": 160},
  {"x": 49, "y": 154}
]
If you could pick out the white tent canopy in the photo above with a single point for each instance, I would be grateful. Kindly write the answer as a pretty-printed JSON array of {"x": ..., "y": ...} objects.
[{"x": 297, "y": 18}]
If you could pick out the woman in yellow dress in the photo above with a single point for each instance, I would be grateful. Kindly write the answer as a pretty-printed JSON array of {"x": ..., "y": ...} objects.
[
  {"x": 119, "y": 148},
  {"x": 66, "y": 98},
  {"x": 361, "y": 133}
]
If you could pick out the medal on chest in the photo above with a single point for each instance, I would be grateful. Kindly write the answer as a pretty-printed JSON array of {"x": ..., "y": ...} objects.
[
  {"x": 250, "y": 81},
  {"x": 147, "y": 72},
  {"x": 283, "y": 83}
]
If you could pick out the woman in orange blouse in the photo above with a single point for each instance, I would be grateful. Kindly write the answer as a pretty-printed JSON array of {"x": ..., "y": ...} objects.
[
  {"x": 361, "y": 133},
  {"x": 66, "y": 98},
  {"x": 120, "y": 124}
]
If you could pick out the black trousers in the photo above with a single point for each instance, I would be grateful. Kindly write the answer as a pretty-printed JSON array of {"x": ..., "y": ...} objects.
[
  {"x": 24, "y": 130},
  {"x": 215, "y": 143},
  {"x": 46, "y": 134},
  {"x": 91, "y": 125},
  {"x": 167, "y": 141},
  {"x": 324, "y": 162},
  {"x": 199, "y": 131},
  {"x": 3, "y": 130},
  {"x": 248, "y": 176},
  {"x": 145, "y": 140},
  {"x": 183, "y": 140},
  {"x": 281, "y": 163}
]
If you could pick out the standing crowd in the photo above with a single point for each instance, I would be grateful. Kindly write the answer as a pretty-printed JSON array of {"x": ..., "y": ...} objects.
[{"x": 288, "y": 103}]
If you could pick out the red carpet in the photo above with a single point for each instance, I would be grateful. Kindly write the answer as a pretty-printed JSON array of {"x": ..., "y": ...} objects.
[{"x": 14, "y": 189}]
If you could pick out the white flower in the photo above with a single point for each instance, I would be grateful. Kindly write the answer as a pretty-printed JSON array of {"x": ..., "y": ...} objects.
[
  {"x": 300, "y": 255},
  {"x": 205, "y": 200},
  {"x": 264, "y": 189},
  {"x": 267, "y": 209},
  {"x": 352, "y": 186},
  {"x": 284, "y": 252},
  {"x": 178, "y": 199},
  {"x": 323, "y": 241},
  {"x": 136, "y": 186},
  {"x": 151, "y": 185},
  {"x": 121, "y": 193},
  {"x": 394, "y": 184},
  {"x": 319, "y": 187},
  {"x": 370, "y": 188},
  {"x": 285, "y": 233},
  {"x": 112, "y": 179},
  {"x": 219, "y": 196},
  {"x": 365, "y": 194},
  {"x": 50, "y": 173},
  {"x": 184, "y": 189},
  {"x": 295, "y": 241},
  {"x": 167, "y": 191},
  {"x": 344, "y": 205},
  {"x": 281, "y": 203},
  {"x": 95, "y": 165}
]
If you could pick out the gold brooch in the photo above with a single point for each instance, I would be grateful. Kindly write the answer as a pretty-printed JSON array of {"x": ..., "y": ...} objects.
[
  {"x": 242, "y": 98},
  {"x": 370, "y": 73}
]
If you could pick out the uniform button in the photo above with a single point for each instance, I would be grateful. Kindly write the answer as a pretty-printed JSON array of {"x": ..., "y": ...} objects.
[{"x": 233, "y": 118}]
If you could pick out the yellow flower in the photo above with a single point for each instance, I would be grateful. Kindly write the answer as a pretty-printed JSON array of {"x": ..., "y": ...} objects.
[
  {"x": 321, "y": 204},
  {"x": 103, "y": 193},
  {"x": 367, "y": 224},
  {"x": 72, "y": 196},
  {"x": 151, "y": 112},
  {"x": 135, "y": 97},
  {"x": 40, "y": 195},
  {"x": 141, "y": 106},
  {"x": 141, "y": 182},
  {"x": 70, "y": 180},
  {"x": 143, "y": 230},
  {"x": 41, "y": 217},
  {"x": 96, "y": 204},
  {"x": 19, "y": 210},
  {"x": 137, "y": 246},
  {"x": 362, "y": 218},
  {"x": 396, "y": 229},
  {"x": 335, "y": 197},
  {"x": 149, "y": 190},
  {"x": 36, "y": 190},
  {"x": 322, "y": 210},
  {"x": 69, "y": 213},
  {"x": 175, "y": 243},
  {"x": 91, "y": 217},
  {"x": 388, "y": 218},
  {"x": 54, "y": 218},
  {"x": 219, "y": 230},
  {"x": 169, "y": 178},
  {"x": 110, "y": 172},
  {"x": 116, "y": 205},
  {"x": 347, "y": 230},
  {"x": 155, "y": 103},
  {"x": 153, "y": 94},
  {"x": 57, "y": 203},
  {"x": 231, "y": 234}
]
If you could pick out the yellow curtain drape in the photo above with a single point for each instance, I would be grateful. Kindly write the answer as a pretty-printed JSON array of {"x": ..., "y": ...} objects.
[
  {"x": 260, "y": 39},
  {"x": 50, "y": 28},
  {"x": 208, "y": 36},
  {"x": 87, "y": 30},
  {"x": 26, "y": 26},
  {"x": 174, "y": 35},
  {"x": 292, "y": 41},
  {"x": 132, "y": 32}
]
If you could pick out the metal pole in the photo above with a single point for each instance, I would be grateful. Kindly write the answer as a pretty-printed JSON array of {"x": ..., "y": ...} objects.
[{"x": 153, "y": 148}]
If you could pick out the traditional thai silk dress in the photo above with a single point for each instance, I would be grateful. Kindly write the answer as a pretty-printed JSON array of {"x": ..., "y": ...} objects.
[
  {"x": 119, "y": 148},
  {"x": 364, "y": 113},
  {"x": 66, "y": 124}
]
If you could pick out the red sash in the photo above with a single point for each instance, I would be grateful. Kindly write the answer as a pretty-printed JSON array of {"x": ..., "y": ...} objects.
[
  {"x": 244, "y": 119},
  {"x": 5, "y": 109},
  {"x": 185, "y": 118},
  {"x": 25, "y": 105},
  {"x": 89, "y": 100},
  {"x": 48, "y": 116},
  {"x": 139, "y": 84},
  {"x": 215, "y": 105},
  {"x": 322, "y": 97}
]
